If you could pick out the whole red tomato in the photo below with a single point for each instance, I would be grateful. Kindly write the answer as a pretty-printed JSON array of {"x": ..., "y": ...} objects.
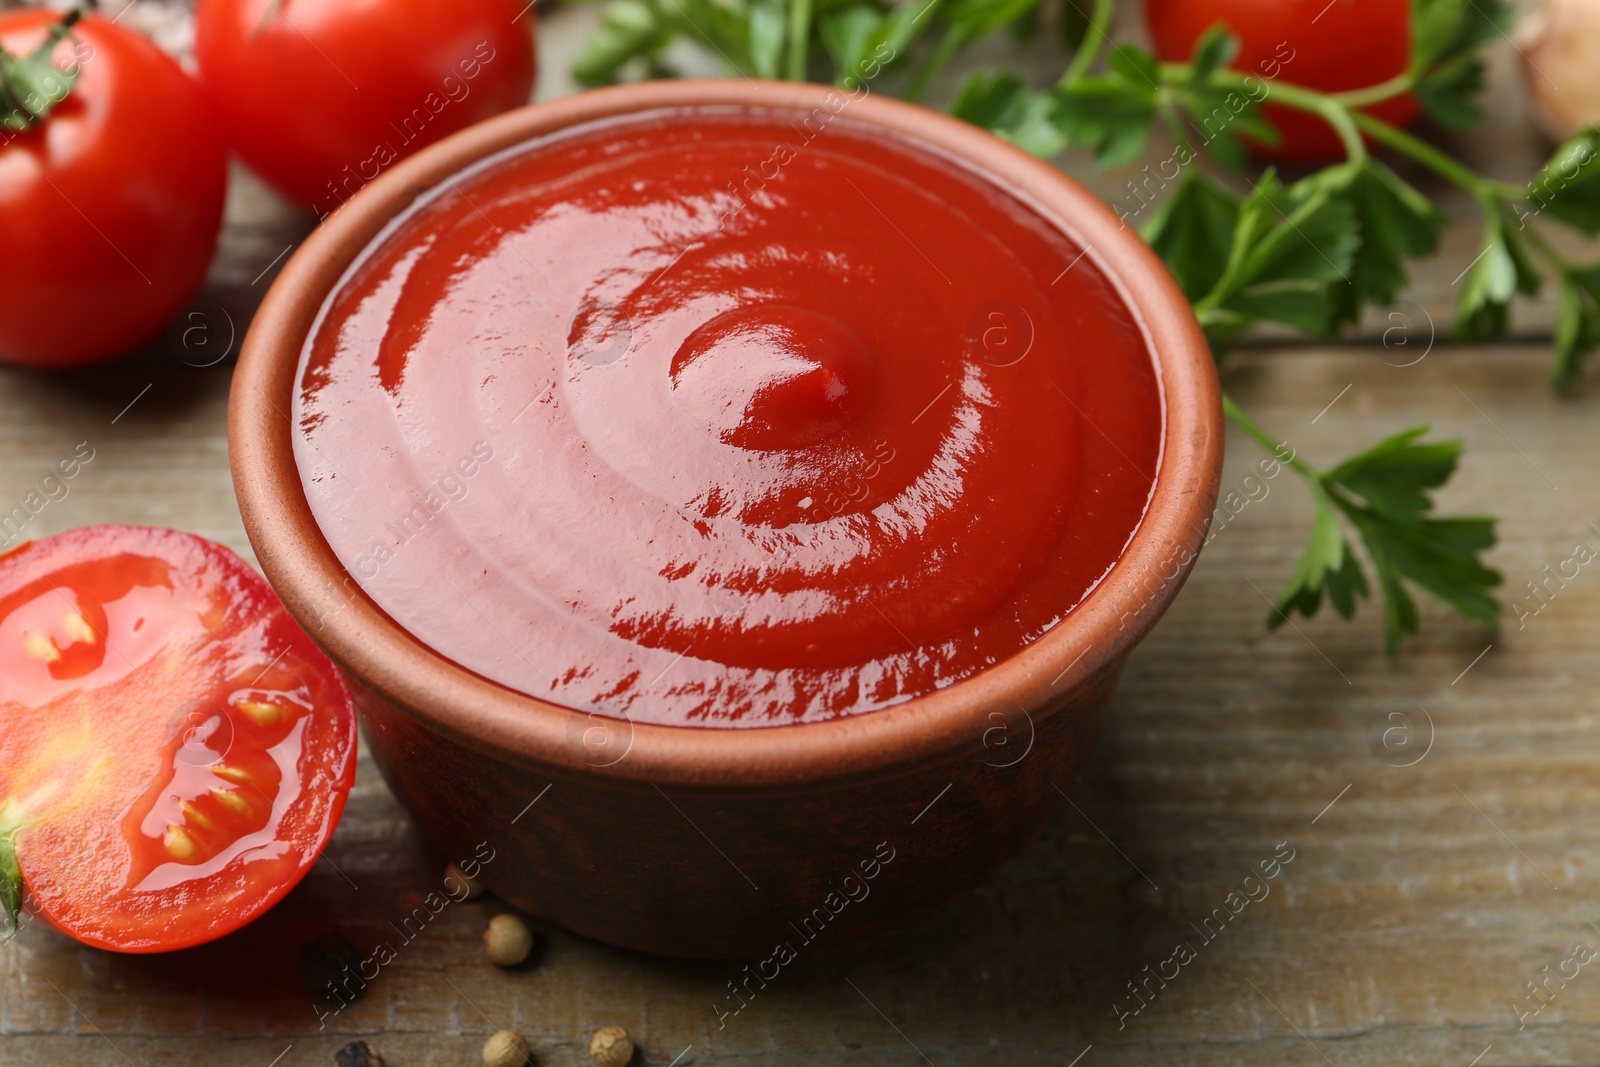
[
  {"x": 319, "y": 96},
  {"x": 1331, "y": 45},
  {"x": 111, "y": 201}
]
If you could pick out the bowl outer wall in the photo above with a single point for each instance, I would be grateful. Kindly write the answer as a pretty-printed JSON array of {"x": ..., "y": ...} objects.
[{"x": 1093, "y": 639}]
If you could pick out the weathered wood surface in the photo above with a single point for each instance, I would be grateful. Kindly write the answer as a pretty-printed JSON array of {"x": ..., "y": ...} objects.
[{"x": 1419, "y": 901}]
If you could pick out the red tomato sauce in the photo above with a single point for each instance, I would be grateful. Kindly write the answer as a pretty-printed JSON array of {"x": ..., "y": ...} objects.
[{"x": 721, "y": 418}]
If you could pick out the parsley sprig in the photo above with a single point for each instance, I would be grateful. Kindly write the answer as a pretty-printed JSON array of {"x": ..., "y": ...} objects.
[
  {"x": 1384, "y": 494},
  {"x": 1359, "y": 206},
  {"x": 1312, "y": 253}
]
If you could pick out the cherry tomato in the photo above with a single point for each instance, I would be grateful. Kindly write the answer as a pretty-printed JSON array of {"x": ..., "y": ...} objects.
[
  {"x": 1331, "y": 45},
  {"x": 319, "y": 96},
  {"x": 175, "y": 752},
  {"x": 111, "y": 202}
]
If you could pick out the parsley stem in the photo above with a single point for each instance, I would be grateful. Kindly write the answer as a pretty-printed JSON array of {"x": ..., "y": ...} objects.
[
  {"x": 1094, "y": 35},
  {"x": 1429, "y": 156},
  {"x": 1264, "y": 439},
  {"x": 799, "y": 38},
  {"x": 1373, "y": 94},
  {"x": 1537, "y": 240},
  {"x": 1175, "y": 130},
  {"x": 943, "y": 52},
  {"x": 1328, "y": 108}
]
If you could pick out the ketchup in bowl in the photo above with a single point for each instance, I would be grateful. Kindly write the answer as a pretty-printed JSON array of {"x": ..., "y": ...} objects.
[{"x": 726, "y": 417}]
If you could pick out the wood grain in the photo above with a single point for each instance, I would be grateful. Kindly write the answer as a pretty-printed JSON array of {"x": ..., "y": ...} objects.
[{"x": 1402, "y": 932}]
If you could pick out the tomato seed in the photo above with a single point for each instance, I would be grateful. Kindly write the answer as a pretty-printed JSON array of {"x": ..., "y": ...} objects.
[
  {"x": 230, "y": 799},
  {"x": 261, "y": 714},
  {"x": 40, "y": 648},
  {"x": 78, "y": 628},
  {"x": 179, "y": 844}
]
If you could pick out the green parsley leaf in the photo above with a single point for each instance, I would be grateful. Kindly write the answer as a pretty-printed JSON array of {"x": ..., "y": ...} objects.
[
  {"x": 1502, "y": 269},
  {"x": 990, "y": 99},
  {"x": 1440, "y": 556},
  {"x": 1290, "y": 244},
  {"x": 902, "y": 24},
  {"x": 1568, "y": 186},
  {"x": 1220, "y": 114},
  {"x": 1192, "y": 231},
  {"x": 972, "y": 19},
  {"x": 1326, "y": 564},
  {"x": 1214, "y": 50},
  {"x": 1136, "y": 65},
  {"x": 1397, "y": 223},
  {"x": 847, "y": 36},
  {"x": 1447, "y": 37},
  {"x": 768, "y": 28},
  {"x": 1393, "y": 476},
  {"x": 1304, "y": 305},
  {"x": 629, "y": 30},
  {"x": 1384, "y": 493},
  {"x": 1577, "y": 323},
  {"x": 1109, "y": 115},
  {"x": 1001, "y": 103}
]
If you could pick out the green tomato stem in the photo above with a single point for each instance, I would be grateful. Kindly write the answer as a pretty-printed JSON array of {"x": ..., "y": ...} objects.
[{"x": 21, "y": 79}]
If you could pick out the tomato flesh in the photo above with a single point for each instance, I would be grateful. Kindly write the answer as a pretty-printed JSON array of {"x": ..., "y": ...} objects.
[
  {"x": 1328, "y": 45},
  {"x": 175, "y": 752}
]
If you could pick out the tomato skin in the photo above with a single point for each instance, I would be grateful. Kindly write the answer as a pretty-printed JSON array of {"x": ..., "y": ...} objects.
[
  {"x": 1329, "y": 45},
  {"x": 320, "y": 96},
  {"x": 111, "y": 205},
  {"x": 156, "y": 694}
]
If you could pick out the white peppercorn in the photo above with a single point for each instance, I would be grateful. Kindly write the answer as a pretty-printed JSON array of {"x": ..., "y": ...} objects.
[
  {"x": 505, "y": 1048},
  {"x": 508, "y": 941},
  {"x": 611, "y": 1047}
]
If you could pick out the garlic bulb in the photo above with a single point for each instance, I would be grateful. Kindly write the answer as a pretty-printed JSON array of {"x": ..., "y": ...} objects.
[{"x": 1560, "y": 47}]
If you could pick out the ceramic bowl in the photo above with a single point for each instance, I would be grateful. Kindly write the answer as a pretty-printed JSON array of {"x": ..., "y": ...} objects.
[{"x": 727, "y": 843}]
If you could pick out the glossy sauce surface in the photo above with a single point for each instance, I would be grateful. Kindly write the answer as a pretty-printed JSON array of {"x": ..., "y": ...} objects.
[{"x": 727, "y": 419}]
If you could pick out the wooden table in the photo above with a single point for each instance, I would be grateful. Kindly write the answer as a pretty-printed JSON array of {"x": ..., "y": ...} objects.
[{"x": 1419, "y": 902}]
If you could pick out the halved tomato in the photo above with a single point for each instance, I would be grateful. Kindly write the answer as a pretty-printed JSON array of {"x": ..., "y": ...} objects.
[{"x": 174, "y": 751}]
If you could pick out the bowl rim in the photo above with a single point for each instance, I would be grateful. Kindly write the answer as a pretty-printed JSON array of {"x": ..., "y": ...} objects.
[{"x": 1091, "y": 641}]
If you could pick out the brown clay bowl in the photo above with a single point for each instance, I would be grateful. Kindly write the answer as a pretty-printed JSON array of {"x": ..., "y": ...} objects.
[{"x": 726, "y": 843}]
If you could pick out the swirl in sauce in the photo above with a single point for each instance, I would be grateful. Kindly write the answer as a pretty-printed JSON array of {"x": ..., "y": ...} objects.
[{"x": 707, "y": 418}]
